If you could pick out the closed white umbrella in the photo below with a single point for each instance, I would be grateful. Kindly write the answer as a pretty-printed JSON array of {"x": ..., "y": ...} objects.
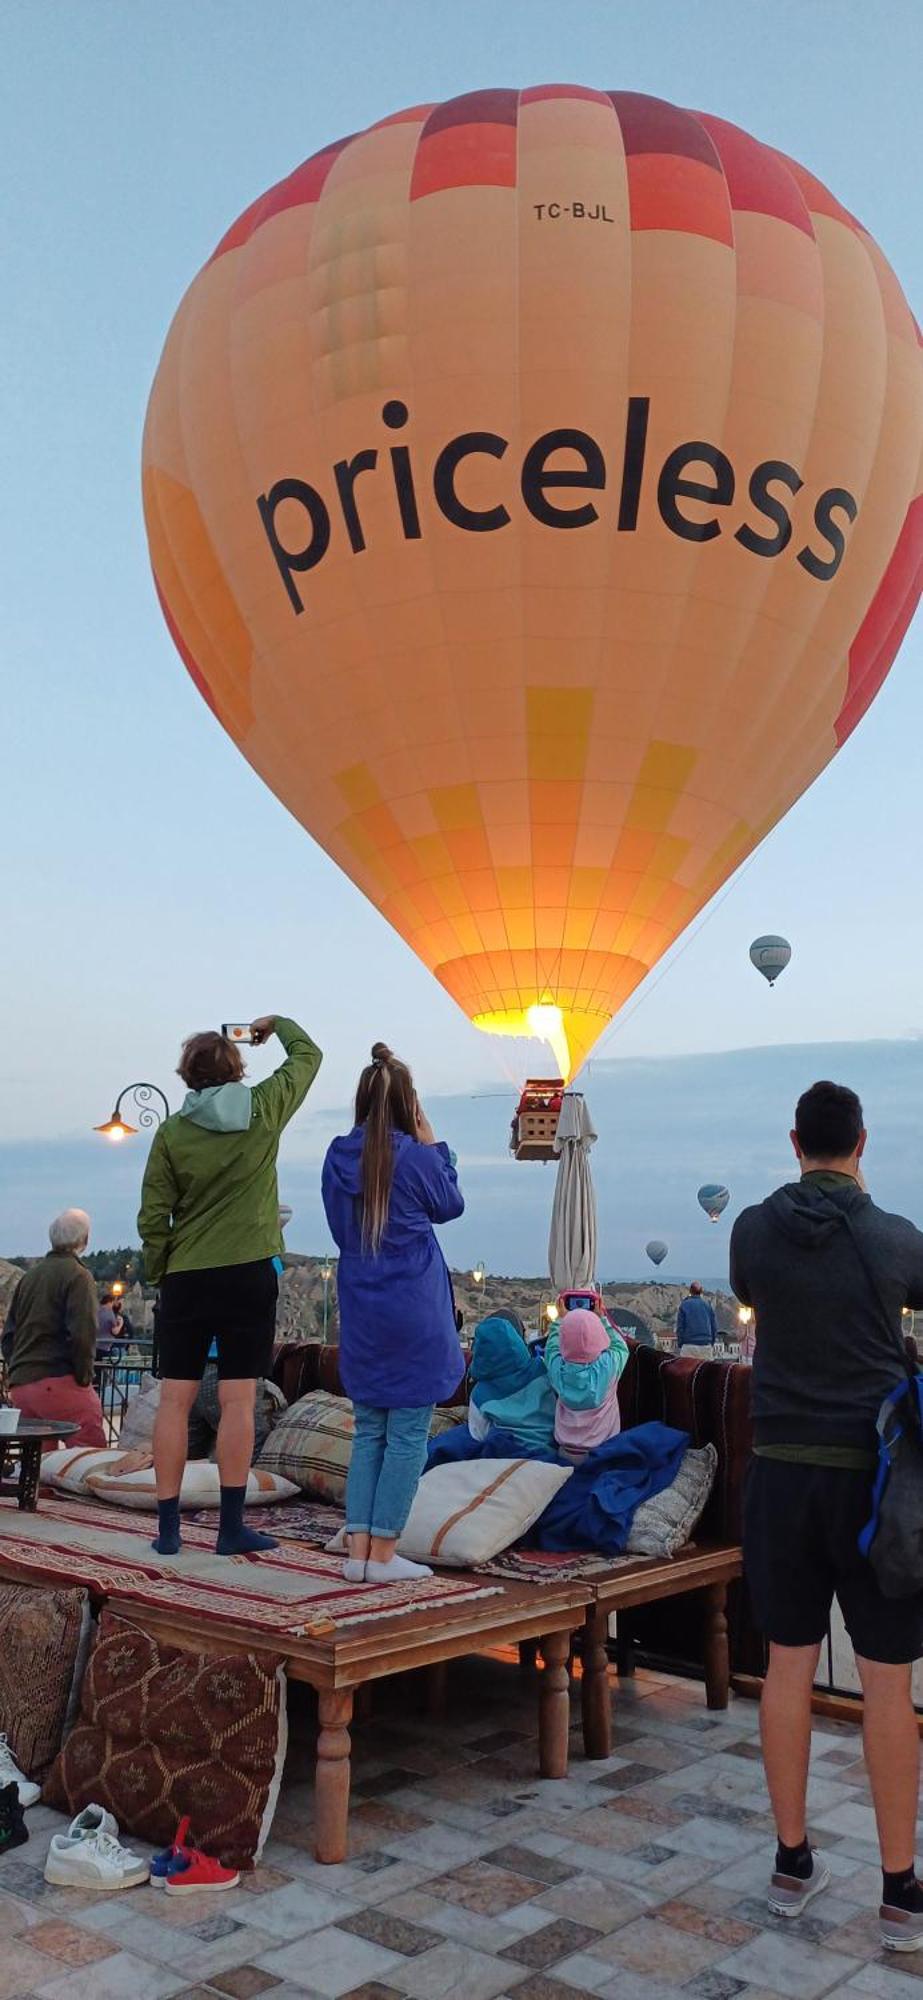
[{"x": 572, "y": 1242}]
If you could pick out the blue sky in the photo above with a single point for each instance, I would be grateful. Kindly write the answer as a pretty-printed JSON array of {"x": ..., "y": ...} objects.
[{"x": 152, "y": 885}]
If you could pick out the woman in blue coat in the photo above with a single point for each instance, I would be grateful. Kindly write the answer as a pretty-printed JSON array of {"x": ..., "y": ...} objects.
[{"x": 384, "y": 1185}]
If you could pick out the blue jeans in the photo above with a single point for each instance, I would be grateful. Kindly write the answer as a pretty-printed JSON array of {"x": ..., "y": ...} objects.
[{"x": 388, "y": 1456}]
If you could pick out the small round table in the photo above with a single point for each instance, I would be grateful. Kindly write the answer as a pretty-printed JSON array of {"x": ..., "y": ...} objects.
[{"x": 28, "y": 1439}]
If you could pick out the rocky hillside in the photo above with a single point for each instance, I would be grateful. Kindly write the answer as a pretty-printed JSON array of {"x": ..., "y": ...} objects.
[{"x": 302, "y": 1312}]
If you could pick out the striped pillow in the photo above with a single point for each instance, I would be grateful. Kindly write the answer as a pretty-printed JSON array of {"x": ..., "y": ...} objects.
[
  {"x": 312, "y": 1441},
  {"x": 468, "y": 1512},
  {"x": 311, "y": 1445}
]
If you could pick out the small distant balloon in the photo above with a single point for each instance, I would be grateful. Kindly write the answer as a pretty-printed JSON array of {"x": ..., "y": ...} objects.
[
  {"x": 656, "y": 1250},
  {"x": 770, "y": 955},
  {"x": 714, "y": 1199}
]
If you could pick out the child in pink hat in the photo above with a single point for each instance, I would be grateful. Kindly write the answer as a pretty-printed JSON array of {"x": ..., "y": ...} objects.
[{"x": 584, "y": 1358}]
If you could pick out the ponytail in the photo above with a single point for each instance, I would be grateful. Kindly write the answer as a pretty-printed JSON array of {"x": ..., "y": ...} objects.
[{"x": 385, "y": 1104}]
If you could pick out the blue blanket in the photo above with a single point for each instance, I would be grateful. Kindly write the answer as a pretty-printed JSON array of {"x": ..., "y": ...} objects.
[{"x": 595, "y": 1508}]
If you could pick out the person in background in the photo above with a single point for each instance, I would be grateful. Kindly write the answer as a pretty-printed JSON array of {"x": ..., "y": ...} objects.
[
  {"x": 49, "y": 1340},
  {"x": 510, "y": 1389},
  {"x": 110, "y": 1325},
  {"x": 384, "y": 1185},
  {"x": 696, "y": 1325},
  {"x": 827, "y": 1274},
  {"x": 209, "y": 1226},
  {"x": 584, "y": 1357}
]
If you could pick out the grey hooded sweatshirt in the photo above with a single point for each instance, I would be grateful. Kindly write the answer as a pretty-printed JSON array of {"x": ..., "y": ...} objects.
[{"x": 824, "y": 1356}]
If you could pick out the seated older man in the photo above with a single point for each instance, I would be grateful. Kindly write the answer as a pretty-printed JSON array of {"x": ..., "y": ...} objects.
[{"x": 49, "y": 1339}]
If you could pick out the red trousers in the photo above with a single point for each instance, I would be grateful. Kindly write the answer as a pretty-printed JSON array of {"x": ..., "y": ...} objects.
[{"x": 59, "y": 1399}]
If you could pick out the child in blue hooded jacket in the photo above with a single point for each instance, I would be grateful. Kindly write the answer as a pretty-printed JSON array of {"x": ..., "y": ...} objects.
[{"x": 510, "y": 1388}]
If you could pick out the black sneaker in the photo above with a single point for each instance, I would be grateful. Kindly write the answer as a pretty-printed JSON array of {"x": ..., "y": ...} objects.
[{"x": 13, "y": 1831}]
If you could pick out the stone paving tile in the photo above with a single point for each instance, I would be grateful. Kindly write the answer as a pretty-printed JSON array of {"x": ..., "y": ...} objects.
[
  {"x": 553, "y": 1942},
  {"x": 122, "y": 1977},
  {"x": 787, "y": 1965},
  {"x": 726, "y": 1930},
  {"x": 585, "y": 1901},
  {"x": 885, "y": 1982},
  {"x": 453, "y": 1969},
  {"x": 392, "y": 1932},
  {"x": 336, "y": 1963},
  {"x": 483, "y": 1888},
  {"x": 244, "y": 1983},
  {"x": 536, "y": 1867},
  {"x": 542, "y": 1986},
  {"x": 68, "y": 1943},
  {"x": 653, "y": 1947}
]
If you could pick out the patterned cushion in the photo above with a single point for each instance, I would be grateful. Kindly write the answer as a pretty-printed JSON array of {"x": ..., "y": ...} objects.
[
  {"x": 663, "y": 1525},
  {"x": 163, "y": 1732},
  {"x": 94, "y": 1473},
  {"x": 311, "y": 1445},
  {"x": 312, "y": 1442},
  {"x": 44, "y": 1638}
]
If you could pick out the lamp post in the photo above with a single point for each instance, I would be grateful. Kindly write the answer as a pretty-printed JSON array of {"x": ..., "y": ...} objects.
[
  {"x": 478, "y": 1276},
  {"x": 148, "y": 1114},
  {"x": 326, "y": 1274}
]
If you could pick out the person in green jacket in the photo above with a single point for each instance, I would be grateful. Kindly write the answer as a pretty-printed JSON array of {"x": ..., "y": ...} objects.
[{"x": 209, "y": 1224}]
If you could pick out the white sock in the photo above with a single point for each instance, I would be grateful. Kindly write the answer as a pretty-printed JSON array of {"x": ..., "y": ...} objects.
[
  {"x": 354, "y": 1570},
  {"x": 397, "y": 1570}
]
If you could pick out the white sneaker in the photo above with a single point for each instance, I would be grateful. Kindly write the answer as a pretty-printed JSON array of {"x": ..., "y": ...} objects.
[
  {"x": 93, "y": 1861},
  {"x": 10, "y": 1774},
  {"x": 93, "y": 1819}
]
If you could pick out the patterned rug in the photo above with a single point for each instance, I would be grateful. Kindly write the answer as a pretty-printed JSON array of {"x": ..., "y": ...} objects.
[
  {"x": 312, "y": 1522},
  {"x": 294, "y": 1591}
]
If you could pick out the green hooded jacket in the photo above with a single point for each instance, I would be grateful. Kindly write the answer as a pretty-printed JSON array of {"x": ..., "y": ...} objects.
[{"x": 210, "y": 1196}]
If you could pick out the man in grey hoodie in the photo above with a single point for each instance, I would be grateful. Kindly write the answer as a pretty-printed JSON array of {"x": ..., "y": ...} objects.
[{"x": 828, "y": 1274}]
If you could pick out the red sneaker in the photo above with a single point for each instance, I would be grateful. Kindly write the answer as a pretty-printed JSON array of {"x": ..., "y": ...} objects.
[{"x": 197, "y": 1871}]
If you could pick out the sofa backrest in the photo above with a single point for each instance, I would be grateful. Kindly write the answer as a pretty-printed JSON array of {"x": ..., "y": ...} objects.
[{"x": 709, "y": 1399}]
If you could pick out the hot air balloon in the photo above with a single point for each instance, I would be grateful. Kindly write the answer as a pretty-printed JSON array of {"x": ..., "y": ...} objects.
[
  {"x": 770, "y": 955},
  {"x": 714, "y": 1199},
  {"x": 533, "y": 489},
  {"x": 656, "y": 1250}
]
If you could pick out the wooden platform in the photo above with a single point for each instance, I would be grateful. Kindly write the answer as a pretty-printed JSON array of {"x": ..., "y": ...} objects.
[
  {"x": 345, "y": 1650},
  {"x": 338, "y": 1663}
]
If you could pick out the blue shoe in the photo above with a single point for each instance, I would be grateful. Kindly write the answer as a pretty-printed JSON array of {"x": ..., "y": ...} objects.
[{"x": 172, "y": 1860}]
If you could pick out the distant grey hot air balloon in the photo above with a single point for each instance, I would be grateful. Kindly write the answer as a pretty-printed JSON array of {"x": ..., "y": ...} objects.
[
  {"x": 770, "y": 955},
  {"x": 714, "y": 1199},
  {"x": 656, "y": 1250}
]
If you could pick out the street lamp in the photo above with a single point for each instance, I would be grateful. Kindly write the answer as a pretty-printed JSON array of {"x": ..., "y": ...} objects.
[
  {"x": 140, "y": 1094},
  {"x": 326, "y": 1274},
  {"x": 478, "y": 1275}
]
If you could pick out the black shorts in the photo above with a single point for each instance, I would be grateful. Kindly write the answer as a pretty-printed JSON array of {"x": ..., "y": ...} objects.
[
  {"x": 234, "y": 1305},
  {"x": 801, "y": 1530}
]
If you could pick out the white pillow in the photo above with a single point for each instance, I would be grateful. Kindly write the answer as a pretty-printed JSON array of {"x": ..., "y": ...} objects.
[
  {"x": 137, "y": 1427},
  {"x": 466, "y": 1513},
  {"x": 95, "y": 1475},
  {"x": 663, "y": 1526}
]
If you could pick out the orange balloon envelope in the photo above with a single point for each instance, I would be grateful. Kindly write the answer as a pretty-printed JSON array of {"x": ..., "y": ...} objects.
[{"x": 533, "y": 486}]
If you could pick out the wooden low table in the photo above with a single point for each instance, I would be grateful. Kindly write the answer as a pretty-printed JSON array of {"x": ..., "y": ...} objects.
[
  {"x": 706, "y": 1567},
  {"x": 27, "y": 1439},
  {"x": 347, "y": 1659}
]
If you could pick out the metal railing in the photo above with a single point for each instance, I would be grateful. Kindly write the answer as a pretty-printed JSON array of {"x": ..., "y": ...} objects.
[{"x": 115, "y": 1377}]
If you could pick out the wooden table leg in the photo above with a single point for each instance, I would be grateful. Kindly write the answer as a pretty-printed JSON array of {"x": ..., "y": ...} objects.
[
  {"x": 335, "y": 1707},
  {"x": 594, "y": 1687},
  {"x": 30, "y": 1465},
  {"x": 717, "y": 1663},
  {"x": 437, "y": 1691},
  {"x": 554, "y": 1706}
]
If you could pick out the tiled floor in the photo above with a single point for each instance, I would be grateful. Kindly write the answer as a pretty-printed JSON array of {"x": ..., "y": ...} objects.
[{"x": 640, "y": 1879}]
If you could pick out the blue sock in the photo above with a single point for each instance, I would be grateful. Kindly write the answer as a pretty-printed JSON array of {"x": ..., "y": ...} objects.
[
  {"x": 233, "y": 1538},
  {"x": 168, "y": 1541}
]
